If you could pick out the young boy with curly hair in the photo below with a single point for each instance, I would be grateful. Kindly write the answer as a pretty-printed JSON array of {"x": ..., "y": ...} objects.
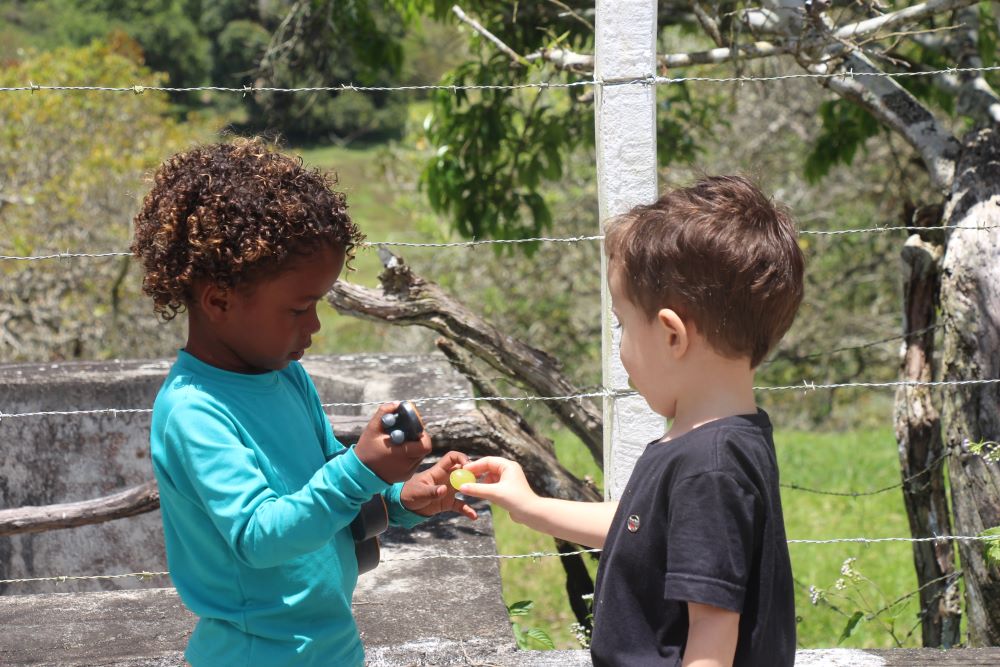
[
  {"x": 695, "y": 568},
  {"x": 257, "y": 494}
]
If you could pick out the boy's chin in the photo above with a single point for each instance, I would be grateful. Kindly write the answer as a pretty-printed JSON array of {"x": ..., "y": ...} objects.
[{"x": 665, "y": 411}]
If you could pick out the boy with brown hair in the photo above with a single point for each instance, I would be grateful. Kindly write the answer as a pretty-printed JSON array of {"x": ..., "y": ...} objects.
[
  {"x": 257, "y": 493},
  {"x": 695, "y": 568}
]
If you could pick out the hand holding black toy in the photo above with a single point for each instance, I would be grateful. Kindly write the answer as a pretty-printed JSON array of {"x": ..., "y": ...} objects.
[{"x": 403, "y": 425}]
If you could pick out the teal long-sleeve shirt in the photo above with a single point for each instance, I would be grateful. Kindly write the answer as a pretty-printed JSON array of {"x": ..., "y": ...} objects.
[{"x": 256, "y": 511}]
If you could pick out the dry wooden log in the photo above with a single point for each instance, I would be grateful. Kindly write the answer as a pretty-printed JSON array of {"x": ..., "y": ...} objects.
[
  {"x": 136, "y": 500},
  {"x": 406, "y": 298}
]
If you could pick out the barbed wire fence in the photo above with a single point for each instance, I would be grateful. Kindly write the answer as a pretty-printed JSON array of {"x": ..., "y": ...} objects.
[{"x": 804, "y": 386}]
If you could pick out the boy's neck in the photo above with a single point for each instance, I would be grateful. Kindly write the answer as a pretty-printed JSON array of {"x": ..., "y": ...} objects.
[
  {"x": 715, "y": 388},
  {"x": 205, "y": 346}
]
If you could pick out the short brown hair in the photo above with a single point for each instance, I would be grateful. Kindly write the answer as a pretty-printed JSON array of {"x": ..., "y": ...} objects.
[
  {"x": 720, "y": 253},
  {"x": 231, "y": 214}
]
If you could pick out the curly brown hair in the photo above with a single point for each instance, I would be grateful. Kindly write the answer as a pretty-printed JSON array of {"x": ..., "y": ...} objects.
[{"x": 232, "y": 214}]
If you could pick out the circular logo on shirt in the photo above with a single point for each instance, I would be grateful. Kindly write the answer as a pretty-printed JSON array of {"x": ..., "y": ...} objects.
[{"x": 633, "y": 523}]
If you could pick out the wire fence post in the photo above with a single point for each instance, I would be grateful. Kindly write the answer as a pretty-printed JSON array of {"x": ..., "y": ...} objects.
[{"x": 625, "y": 120}]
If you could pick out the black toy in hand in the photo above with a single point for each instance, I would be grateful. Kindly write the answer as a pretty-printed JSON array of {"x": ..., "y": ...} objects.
[{"x": 404, "y": 424}]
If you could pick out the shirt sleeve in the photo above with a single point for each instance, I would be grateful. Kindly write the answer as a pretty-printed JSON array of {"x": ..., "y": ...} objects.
[
  {"x": 398, "y": 514},
  {"x": 263, "y": 528},
  {"x": 710, "y": 540}
]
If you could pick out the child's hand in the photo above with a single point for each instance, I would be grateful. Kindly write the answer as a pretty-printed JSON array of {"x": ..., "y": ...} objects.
[
  {"x": 428, "y": 491},
  {"x": 393, "y": 463},
  {"x": 502, "y": 482}
]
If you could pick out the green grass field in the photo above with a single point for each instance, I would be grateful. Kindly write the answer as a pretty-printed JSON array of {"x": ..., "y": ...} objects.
[{"x": 851, "y": 461}]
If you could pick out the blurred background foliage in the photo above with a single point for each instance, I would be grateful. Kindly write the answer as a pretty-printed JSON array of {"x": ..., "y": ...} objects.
[
  {"x": 444, "y": 165},
  {"x": 434, "y": 166}
]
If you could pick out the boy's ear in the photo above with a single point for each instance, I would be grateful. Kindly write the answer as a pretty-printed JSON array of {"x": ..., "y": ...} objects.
[
  {"x": 213, "y": 300},
  {"x": 675, "y": 332}
]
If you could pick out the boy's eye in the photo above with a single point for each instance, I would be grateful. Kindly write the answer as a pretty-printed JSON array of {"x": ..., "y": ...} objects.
[{"x": 299, "y": 311}]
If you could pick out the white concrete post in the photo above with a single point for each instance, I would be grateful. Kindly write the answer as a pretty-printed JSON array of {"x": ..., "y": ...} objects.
[{"x": 626, "y": 176}]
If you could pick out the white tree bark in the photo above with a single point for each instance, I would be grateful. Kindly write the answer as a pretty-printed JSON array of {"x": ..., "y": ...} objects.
[{"x": 970, "y": 305}]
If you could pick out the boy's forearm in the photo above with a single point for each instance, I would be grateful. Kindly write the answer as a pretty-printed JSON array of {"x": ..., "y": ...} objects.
[
  {"x": 578, "y": 522},
  {"x": 712, "y": 636}
]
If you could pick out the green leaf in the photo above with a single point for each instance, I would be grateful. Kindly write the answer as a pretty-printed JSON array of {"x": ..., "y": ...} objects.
[
  {"x": 541, "y": 637},
  {"x": 988, "y": 30},
  {"x": 846, "y": 127},
  {"x": 991, "y": 548},
  {"x": 519, "y": 637},
  {"x": 852, "y": 623},
  {"x": 520, "y": 608}
]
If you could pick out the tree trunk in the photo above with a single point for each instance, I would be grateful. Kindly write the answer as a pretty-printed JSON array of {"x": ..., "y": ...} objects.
[
  {"x": 970, "y": 305},
  {"x": 918, "y": 432}
]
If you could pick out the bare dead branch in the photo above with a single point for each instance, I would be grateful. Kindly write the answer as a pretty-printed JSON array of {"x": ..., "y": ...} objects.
[
  {"x": 137, "y": 500},
  {"x": 406, "y": 298},
  {"x": 569, "y": 11}
]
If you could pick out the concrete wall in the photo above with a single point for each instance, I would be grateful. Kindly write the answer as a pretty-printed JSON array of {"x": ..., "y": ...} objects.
[{"x": 64, "y": 458}]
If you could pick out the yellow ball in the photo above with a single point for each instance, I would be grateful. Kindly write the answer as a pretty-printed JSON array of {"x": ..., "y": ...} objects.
[{"x": 460, "y": 477}]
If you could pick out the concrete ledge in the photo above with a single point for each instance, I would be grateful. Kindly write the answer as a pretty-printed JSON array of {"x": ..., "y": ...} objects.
[{"x": 407, "y": 610}]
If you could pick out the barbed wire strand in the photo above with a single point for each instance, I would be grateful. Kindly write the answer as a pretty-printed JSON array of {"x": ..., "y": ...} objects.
[
  {"x": 805, "y": 386},
  {"x": 862, "y": 346},
  {"x": 874, "y": 492},
  {"x": 533, "y": 555},
  {"x": 483, "y": 242},
  {"x": 650, "y": 80}
]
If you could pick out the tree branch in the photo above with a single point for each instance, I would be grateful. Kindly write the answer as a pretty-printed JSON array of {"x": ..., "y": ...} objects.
[
  {"x": 478, "y": 27},
  {"x": 832, "y": 45},
  {"x": 408, "y": 299},
  {"x": 976, "y": 98},
  {"x": 894, "y": 106},
  {"x": 137, "y": 500}
]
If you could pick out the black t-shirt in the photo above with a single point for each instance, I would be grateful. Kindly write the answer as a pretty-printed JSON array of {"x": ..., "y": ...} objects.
[{"x": 699, "y": 521}]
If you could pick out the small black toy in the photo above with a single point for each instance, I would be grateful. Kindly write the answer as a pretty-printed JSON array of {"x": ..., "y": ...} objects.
[{"x": 404, "y": 424}]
